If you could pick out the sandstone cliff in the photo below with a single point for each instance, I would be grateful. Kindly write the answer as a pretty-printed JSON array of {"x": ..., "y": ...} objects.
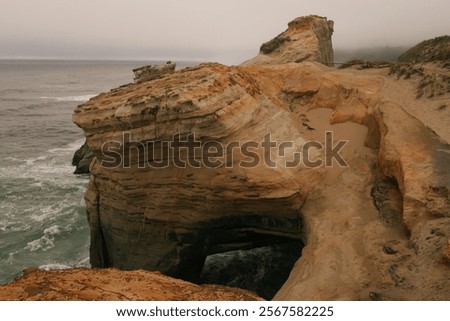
[
  {"x": 377, "y": 229},
  {"x": 151, "y": 72},
  {"x": 215, "y": 209},
  {"x": 306, "y": 39}
]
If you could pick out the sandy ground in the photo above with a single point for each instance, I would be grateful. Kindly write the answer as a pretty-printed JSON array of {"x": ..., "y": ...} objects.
[
  {"x": 425, "y": 109},
  {"x": 358, "y": 255},
  {"x": 344, "y": 193}
]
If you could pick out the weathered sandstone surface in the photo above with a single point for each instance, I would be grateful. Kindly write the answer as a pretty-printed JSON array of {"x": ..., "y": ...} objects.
[
  {"x": 113, "y": 285},
  {"x": 375, "y": 230},
  {"x": 306, "y": 39},
  {"x": 151, "y": 72},
  {"x": 170, "y": 219}
]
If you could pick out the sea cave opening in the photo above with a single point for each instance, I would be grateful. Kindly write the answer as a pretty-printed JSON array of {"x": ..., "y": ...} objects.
[{"x": 262, "y": 269}]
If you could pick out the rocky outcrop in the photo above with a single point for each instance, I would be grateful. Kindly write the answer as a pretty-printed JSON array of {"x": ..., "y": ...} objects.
[
  {"x": 132, "y": 205},
  {"x": 151, "y": 72},
  {"x": 376, "y": 229},
  {"x": 82, "y": 159},
  {"x": 171, "y": 219},
  {"x": 306, "y": 39},
  {"x": 112, "y": 285}
]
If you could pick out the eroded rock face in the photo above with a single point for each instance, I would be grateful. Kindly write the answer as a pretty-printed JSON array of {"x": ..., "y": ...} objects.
[
  {"x": 82, "y": 159},
  {"x": 368, "y": 253},
  {"x": 151, "y": 72},
  {"x": 169, "y": 219},
  {"x": 306, "y": 39}
]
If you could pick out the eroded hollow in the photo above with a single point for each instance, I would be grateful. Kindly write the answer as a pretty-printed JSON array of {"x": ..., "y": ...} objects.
[
  {"x": 252, "y": 252},
  {"x": 262, "y": 270},
  {"x": 388, "y": 200}
]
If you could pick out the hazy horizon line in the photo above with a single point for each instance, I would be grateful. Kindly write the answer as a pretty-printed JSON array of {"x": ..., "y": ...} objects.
[
  {"x": 183, "y": 59},
  {"x": 100, "y": 59}
]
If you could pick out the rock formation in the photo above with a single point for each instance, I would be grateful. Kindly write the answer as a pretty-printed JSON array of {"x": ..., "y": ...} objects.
[
  {"x": 82, "y": 159},
  {"x": 262, "y": 270},
  {"x": 132, "y": 207},
  {"x": 112, "y": 285},
  {"x": 376, "y": 229},
  {"x": 151, "y": 72},
  {"x": 306, "y": 39}
]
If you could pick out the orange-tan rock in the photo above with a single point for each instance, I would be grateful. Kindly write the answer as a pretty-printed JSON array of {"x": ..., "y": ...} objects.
[
  {"x": 373, "y": 230},
  {"x": 113, "y": 285},
  {"x": 306, "y": 39}
]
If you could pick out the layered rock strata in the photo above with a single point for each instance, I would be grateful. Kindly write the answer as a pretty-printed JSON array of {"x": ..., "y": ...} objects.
[
  {"x": 376, "y": 229},
  {"x": 170, "y": 219},
  {"x": 132, "y": 208},
  {"x": 306, "y": 39},
  {"x": 151, "y": 72}
]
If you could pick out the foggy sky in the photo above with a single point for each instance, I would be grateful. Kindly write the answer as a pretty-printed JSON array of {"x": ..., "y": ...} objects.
[{"x": 226, "y": 31}]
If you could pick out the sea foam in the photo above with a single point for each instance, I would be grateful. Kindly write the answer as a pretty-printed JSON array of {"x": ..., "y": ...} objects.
[{"x": 80, "y": 98}]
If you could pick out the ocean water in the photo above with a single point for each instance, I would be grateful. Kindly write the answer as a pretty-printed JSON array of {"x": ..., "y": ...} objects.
[{"x": 42, "y": 213}]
